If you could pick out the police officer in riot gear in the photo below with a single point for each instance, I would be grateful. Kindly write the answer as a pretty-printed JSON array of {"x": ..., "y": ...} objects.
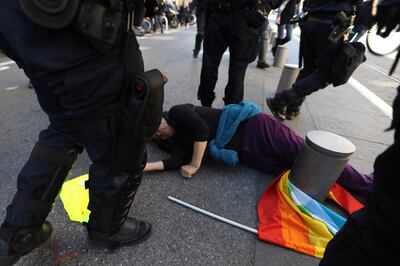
[
  {"x": 371, "y": 235},
  {"x": 233, "y": 24},
  {"x": 80, "y": 59},
  {"x": 321, "y": 36}
]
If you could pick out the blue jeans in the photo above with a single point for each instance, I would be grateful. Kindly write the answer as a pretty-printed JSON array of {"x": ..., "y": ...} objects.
[{"x": 285, "y": 32}]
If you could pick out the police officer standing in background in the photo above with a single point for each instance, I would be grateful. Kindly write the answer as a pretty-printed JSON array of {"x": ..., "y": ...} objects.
[
  {"x": 318, "y": 46},
  {"x": 200, "y": 6},
  {"x": 75, "y": 53},
  {"x": 233, "y": 24}
]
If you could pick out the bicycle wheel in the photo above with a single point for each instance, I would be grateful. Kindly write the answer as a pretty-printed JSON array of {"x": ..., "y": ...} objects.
[{"x": 382, "y": 46}]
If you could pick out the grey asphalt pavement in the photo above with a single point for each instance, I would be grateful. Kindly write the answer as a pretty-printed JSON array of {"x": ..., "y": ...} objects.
[{"x": 181, "y": 236}]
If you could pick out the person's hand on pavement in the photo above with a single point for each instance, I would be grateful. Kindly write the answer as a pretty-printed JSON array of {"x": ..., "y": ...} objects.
[{"x": 187, "y": 171}]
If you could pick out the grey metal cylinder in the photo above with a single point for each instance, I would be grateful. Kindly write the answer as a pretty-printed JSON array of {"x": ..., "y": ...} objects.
[
  {"x": 288, "y": 77},
  {"x": 272, "y": 38},
  {"x": 280, "y": 56},
  {"x": 320, "y": 162}
]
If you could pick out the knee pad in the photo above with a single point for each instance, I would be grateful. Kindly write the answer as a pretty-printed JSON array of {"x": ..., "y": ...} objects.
[
  {"x": 26, "y": 210},
  {"x": 62, "y": 159}
]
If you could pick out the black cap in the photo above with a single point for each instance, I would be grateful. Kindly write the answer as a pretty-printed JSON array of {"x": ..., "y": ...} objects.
[{"x": 54, "y": 14}]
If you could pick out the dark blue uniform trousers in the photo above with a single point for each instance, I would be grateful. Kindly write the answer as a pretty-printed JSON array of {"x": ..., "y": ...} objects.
[
  {"x": 318, "y": 56},
  {"x": 222, "y": 31}
]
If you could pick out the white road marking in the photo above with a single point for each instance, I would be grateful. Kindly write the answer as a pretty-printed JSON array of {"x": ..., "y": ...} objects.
[
  {"x": 4, "y": 68},
  {"x": 372, "y": 97},
  {"x": 7, "y": 63},
  {"x": 11, "y": 88}
]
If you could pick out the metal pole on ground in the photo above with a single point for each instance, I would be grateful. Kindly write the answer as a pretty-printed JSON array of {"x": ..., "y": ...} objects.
[
  {"x": 288, "y": 77},
  {"x": 320, "y": 162},
  {"x": 220, "y": 218},
  {"x": 280, "y": 56}
]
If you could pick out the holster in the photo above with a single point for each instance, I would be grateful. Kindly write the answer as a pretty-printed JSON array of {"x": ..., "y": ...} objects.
[
  {"x": 348, "y": 57},
  {"x": 137, "y": 116}
]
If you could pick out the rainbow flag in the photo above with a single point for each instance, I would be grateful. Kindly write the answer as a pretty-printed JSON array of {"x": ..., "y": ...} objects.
[{"x": 292, "y": 219}]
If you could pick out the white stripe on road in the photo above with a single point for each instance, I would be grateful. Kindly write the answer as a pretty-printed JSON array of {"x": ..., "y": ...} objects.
[
  {"x": 372, "y": 97},
  {"x": 4, "y": 68},
  {"x": 7, "y": 63},
  {"x": 11, "y": 88}
]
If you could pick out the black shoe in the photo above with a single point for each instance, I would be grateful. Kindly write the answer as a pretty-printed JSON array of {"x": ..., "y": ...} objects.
[
  {"x": 290, "y": 115},
  {"x": 23, "y": 242},
  {"x": 195, "y": 53},
  {"x": 262, "y": 64},
  {"x": 131, "y": 232},
  {"x": 277, "y": 111}
]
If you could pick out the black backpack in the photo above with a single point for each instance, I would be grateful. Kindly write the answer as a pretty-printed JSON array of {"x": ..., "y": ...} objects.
[{"x": 348, "y": 57}]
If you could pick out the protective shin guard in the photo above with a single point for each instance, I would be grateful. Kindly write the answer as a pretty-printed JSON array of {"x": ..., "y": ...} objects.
[
  {"x": 109, "y": 224},
  {"x": 24, "y": 228}
]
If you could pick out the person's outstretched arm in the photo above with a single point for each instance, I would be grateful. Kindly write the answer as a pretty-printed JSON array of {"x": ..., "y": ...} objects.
[
  {"x": 199, "y": 148},
  {"x": 154, "y": 166}
]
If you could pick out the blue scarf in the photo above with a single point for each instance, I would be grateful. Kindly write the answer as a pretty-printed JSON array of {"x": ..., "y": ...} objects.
[{"x": 229, "y": 121}]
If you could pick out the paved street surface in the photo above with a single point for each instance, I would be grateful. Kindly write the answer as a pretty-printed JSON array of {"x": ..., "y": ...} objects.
[{"x": 181, "y": 236}]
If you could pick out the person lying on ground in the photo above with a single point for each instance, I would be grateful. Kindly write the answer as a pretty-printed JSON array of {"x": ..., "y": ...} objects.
[{"x": 258, "y": 139}]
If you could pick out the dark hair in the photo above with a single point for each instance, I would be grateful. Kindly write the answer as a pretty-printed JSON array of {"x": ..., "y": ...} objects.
[{"x": 167, "y": 118}]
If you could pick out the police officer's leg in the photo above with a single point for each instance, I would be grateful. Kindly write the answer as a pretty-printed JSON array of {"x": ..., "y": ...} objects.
[
  {"x": 214, "y": 46},
  {"x": 200, "y": 34},
  {"x": 325, "y": 51},
  {"x": 243, "y": 47},
  {"x": 111, "y": 194},
  {"x": 315, "y": 35},
  {"x": 309, "y": 66},
  {"x": 39, "y": 182}
]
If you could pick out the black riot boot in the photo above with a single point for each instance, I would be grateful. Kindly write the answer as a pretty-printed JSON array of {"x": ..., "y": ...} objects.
[
  {"x": 15, "y": 243},
  {"x": 277, "y": 109},
  {"x": 197, "y": 46},
  {"x": 284, "y": 101},
  {"x": 109, "y": 224}
]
